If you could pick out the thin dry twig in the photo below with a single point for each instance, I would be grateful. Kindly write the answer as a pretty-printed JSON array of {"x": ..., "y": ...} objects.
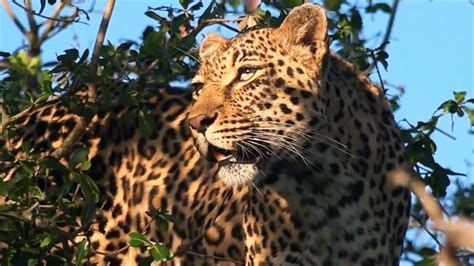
[
  {"x": 459, "y": 231},
  {"x": 13, "y": 17},
  {"x": 427, "y": 230},
  {"x": 387, "y": 34},
  {"x": 391, "y": 21},
  {"x": 32, "y": 35},
  {"x": 50, "y": 18},
  {"x": 80, "y": 127},
  {"x": 51, "y": 21}
]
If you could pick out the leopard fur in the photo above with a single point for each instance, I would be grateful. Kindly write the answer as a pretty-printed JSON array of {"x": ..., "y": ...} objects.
[{"x": 280, "y": 158}]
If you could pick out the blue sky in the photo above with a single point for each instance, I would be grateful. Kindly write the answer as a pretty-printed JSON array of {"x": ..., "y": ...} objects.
[{"x": 431, "y": 54}]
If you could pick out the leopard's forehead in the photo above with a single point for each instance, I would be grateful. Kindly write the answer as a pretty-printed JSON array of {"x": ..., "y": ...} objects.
[{"x": 250, "y": 47}]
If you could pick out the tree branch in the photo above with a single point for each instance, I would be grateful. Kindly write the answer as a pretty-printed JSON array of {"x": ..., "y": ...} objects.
[
  {"x": 386, "y": 37},
  {"x": 51, "y": 21},
  {"x": 391, "y": 21},
  {"x": 32, "y": 35},
  {"x": 13, "y": 17},
  {"x": 459, "y": 231},
  {"x": 80, "y": 127}
]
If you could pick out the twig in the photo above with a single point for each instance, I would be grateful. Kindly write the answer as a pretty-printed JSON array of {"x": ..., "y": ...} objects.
[
  {"x": 13, "y": 17},
  {"x": 388, "y": 33},
  {"x": 445, "y": 133},
  {"x": 422, "y": 224},
  {"x": 223, "y": 20},
  {"x": 51, "y": 20},
  {"x": 80, "y": 127},
  {"x": 32, "y": 35},
  {"x": 13, "y": 118},
  {"x": 378, "y": 71},
  {"x": 100, "y": 38},
  {"x": 391, "y": 21},
  {"x": 459, "y": 231}
]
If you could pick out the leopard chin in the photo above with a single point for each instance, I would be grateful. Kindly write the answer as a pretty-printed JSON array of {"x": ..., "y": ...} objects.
[
  {"x": 235, "y": 168},
  {"x": 238, "y": 174}
]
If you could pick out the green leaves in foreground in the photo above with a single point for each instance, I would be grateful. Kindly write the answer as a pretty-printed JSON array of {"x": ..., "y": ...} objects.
[
  {"x": 459, "y": 106},
  {"x": 158, "y": 251}
]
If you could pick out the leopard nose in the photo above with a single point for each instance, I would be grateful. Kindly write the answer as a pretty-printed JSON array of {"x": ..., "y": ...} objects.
[{"x": 201, "y": 122}]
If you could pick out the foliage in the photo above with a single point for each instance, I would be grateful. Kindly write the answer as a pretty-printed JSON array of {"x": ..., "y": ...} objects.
[{"x": 35, "y": 221}]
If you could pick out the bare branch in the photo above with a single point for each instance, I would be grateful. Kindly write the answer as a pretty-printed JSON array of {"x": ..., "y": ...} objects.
[
  {"x": 372, "y": 54},
  {"x": 387, "y": 34},
  {"x": 51, "y": 21},
  {"x": 80, "y": 127},
  {"x": 100, "y": 37},
  {"x": 13, "y": 17},
  {"x": 32, "y": 35},
  {"x": 30, "y": 15},
  {"x": 427, "y": 230},
  {"x": 459, "y": 231},
  {"x": 391, "y": 21}
]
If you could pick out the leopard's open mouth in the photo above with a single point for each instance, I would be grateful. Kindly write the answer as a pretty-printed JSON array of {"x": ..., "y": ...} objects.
[{"x": 237, "y": 156}]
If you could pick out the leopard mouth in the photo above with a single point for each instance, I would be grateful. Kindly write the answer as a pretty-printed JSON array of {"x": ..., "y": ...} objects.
[{"x": 225, "y": 157}]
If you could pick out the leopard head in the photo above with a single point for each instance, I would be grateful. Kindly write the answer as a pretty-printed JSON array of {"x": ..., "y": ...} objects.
[{"x": 258, "y": 95}]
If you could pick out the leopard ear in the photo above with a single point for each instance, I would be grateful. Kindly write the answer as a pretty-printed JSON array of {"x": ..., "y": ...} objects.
[
  {"x": 306, "y": 25},
  {"x": 210, "y": 44}
]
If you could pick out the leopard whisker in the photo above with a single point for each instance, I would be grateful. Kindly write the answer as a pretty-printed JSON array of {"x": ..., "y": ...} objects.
[
  {"x": 287, "y": 147},
  {"x": 325, "y": 139}
]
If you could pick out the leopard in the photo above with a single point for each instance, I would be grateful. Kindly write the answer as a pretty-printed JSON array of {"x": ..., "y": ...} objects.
[{"x": 280, "y": 155}]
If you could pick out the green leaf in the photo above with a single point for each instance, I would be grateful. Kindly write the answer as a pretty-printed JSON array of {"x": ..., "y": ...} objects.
[
  {"x": 88, "y": 187},
  {"x": 80, "y": 251},
  {"x": 68, "y": 58},
  {"x": 438, "y": 181},
  {"x": 470, "y": 114},
  {"x": 199, "y": 5},
  {"x": 32, "y": 262},
  {"x": 185, "y": 3},
  {"x": 152, "y": 42},
  {"x": 160, "y": 252},
  {"x": 459, "y": 96},
  {"x": 162, "y": 224},
  {"x": 78, "y": 155},
  {"x": 153, "y": 15},
  {"x": 43, "y": 4},
  {"x": 356, "y": 20},
  {"x": 426, "y": 262},
  {"x": 84, "y": 56},
  {"x": 379, "y": 6},
  {"x": 447, "y": 105},
  {"x": 292, "y": 3},
  {"x": 47, "y": 240},
  {"x": 333, "y": 5},
  {"x": 4, "y": 54},
  {"x": 52, "y": 163},
  {"x": 86, "y": 165},
  {"x": 124, "y": 46},
  {"x": 427, "y": 252},
  {"x": 3, "y": 188},
  {"x": 146, "y": 124},
  {"x": 28, "y": 167},
  {"x": 88, "y": 211},
  {"x": 137, "y": 240}
]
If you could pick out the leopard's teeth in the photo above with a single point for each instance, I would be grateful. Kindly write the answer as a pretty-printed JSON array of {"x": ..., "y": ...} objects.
[{"x": 233, "y": 160}]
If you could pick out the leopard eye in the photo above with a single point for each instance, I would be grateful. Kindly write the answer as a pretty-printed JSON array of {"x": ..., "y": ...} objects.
[
  {"x": 246, "y": 73},
  {"x": 196, "y": 87}
]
